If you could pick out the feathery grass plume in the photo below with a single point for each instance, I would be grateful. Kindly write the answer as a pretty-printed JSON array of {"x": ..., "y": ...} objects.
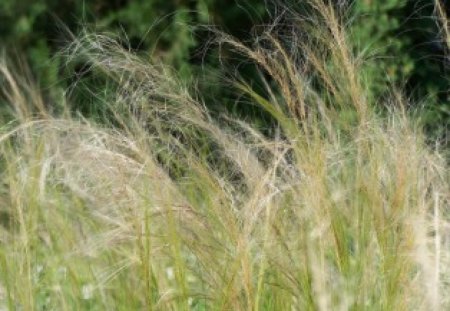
[
  {"x": 166, "y": 208},
  {"x": 443, "y": 22}
]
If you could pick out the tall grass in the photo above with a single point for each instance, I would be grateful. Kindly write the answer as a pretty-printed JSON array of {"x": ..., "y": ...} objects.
[{"x": 342, "y": 207}]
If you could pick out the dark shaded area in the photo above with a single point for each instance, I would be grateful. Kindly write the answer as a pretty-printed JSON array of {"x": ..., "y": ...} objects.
[{"x": 409, "y": 51}]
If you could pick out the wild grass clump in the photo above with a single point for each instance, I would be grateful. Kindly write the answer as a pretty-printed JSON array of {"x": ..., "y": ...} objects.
[{"x": 167, "y": 207}]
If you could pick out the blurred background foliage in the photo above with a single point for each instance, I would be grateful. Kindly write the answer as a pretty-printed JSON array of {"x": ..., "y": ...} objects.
[
  {"x": 403, "y": 39},
  {"x": 401, "y": 36}
]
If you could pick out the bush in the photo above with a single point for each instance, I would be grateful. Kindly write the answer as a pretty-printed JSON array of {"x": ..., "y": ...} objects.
[{"x": 402, "y": 37}]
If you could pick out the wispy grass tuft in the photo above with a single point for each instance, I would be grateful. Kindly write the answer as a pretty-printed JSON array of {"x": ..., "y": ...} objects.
[{"x": 169, "y": 208}]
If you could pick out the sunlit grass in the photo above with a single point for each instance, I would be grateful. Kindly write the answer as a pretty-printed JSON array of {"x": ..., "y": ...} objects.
[{"x": 342, "y": 208}]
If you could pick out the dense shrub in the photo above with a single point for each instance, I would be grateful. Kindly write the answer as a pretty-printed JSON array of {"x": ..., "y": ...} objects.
[{"x": 401, "y": 35}]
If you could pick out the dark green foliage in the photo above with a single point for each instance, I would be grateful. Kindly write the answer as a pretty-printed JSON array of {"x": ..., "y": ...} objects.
[
  {"x": 399, "y": 36},
  {"x": 403, "y": 40},
  {"x": 168, "y": 31}
]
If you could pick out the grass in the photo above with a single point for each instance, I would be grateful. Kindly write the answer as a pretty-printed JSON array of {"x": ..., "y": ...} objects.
[{"x": 167, "y": 207}]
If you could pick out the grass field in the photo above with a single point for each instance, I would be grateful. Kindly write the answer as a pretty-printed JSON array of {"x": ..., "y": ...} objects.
[{"x": 341, "y": 206}]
